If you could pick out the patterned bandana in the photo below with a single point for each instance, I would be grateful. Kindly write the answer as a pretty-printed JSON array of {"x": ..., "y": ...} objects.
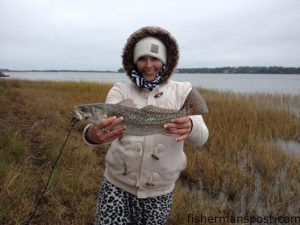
[{"x": 138, "y": 79}]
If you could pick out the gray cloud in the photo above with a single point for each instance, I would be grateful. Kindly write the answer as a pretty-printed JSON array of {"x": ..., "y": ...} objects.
[{"x": 65, "y": 34}]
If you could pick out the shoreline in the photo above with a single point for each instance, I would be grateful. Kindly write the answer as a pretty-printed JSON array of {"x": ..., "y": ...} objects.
[
  {"x": 201, "y": 70},
  {"x": 3, "y": 75},
  {"x": 210, "y": 82}
]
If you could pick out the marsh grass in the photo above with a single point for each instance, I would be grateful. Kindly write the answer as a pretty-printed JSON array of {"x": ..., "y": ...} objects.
[{"x": 238, "y": 172}]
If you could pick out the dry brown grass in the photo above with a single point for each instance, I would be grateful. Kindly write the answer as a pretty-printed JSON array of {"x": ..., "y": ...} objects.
[{"x": 240, "y": 170}]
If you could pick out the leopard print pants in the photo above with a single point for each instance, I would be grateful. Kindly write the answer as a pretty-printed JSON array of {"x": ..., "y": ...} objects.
[{"x": 118, "y": 207}]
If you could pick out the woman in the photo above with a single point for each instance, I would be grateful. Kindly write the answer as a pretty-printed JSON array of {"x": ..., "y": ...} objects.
[{"x": 141, "y": 171}]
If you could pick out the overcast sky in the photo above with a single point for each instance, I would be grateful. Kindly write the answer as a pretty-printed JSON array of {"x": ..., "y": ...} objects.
[{"x": 90, "y": 34}]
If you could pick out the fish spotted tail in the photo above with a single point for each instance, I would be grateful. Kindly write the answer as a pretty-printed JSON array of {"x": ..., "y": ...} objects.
[{"x": 195, "y": 103}]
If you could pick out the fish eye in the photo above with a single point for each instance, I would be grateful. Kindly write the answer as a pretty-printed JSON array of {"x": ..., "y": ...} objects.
[{"x": 105, "y": 115}]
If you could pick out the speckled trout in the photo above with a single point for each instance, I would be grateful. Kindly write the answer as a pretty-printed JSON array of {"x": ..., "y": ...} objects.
[{"x": 145, "y": 121}]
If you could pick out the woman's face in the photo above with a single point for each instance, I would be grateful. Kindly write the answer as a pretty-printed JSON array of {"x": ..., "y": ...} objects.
[{"x": 149, "y": 66}]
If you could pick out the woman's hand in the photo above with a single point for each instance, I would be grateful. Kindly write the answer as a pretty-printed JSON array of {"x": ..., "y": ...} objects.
[
  {"x": 107, "y": 130},
  {"x": 181, "y": 126}
]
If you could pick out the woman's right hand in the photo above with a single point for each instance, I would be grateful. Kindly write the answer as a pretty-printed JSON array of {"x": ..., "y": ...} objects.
[{"x": 106, "y": 131}]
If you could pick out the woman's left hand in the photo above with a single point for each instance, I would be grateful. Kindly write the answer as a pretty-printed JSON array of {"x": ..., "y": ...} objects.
[{"x": 181, "y": 126}]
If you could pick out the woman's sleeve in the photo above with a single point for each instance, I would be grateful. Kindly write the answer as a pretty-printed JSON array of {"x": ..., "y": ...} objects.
[{"x": 199, "y": 133}]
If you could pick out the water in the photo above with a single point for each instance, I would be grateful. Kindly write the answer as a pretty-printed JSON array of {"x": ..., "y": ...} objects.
[
  {"x": 290, "y": 146},
  {"x": 245, "y": 83}
]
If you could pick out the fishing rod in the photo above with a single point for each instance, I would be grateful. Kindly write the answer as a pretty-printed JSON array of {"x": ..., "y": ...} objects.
[{"x": 73, "y": 121}]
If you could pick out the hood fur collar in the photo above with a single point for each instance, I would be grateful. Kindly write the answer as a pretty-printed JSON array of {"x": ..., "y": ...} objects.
[{"x": 157, "y": 32}]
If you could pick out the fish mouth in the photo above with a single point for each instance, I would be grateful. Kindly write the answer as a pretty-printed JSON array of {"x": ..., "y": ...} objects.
[
  {"x": 79, "y": 115},
  {"x": 90, "y": 114}
]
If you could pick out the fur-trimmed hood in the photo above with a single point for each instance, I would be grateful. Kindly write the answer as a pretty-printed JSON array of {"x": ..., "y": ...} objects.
[{"x": 161, "y": 34}]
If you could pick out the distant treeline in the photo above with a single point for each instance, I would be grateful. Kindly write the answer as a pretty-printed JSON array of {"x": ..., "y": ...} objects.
[
  {"x": 89, "y": 71},
  {"x": 240, "y": 69},
  {"x": 243, "y": 69}
]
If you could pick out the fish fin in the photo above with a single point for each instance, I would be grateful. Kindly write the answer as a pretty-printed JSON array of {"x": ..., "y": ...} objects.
[
  {"x": 156, "y": 109},
  {"x": 127, "y": 103}
]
